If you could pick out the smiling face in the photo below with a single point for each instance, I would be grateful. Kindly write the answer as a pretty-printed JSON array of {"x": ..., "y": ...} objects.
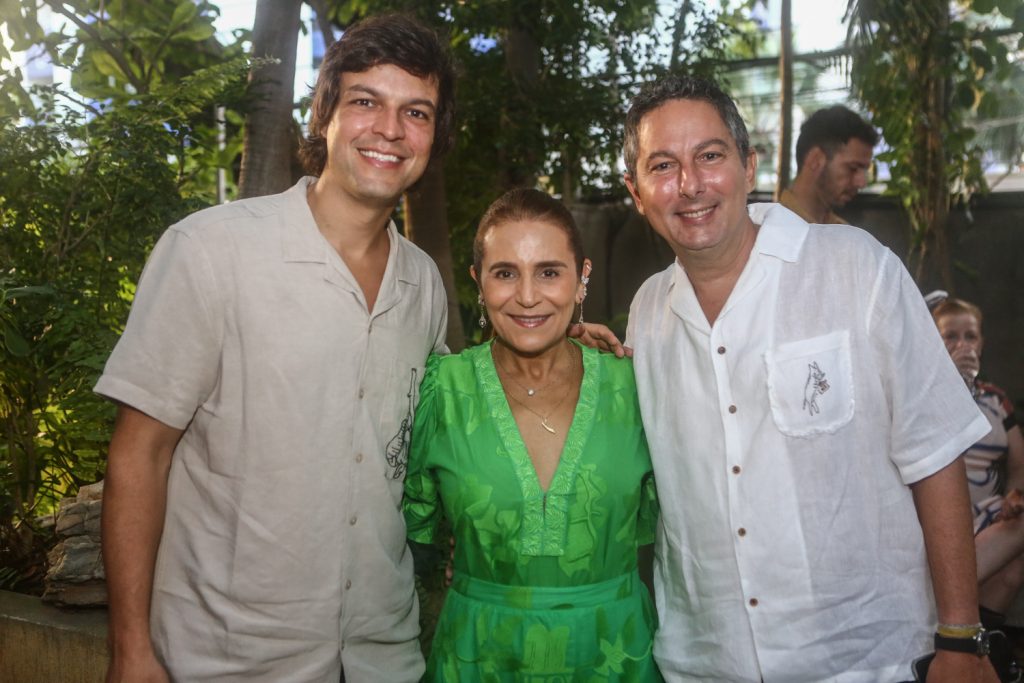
[
  {"x": 691, "y": 181},
  {"x": 845, "y": 174},
  {"x": 529, "y": 284},
  {"x": 379, "y": 136},
  {"x": 960, "y": 330}
]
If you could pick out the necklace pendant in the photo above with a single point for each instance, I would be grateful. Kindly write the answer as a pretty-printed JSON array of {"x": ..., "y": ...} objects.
[
  {"x": 545, "y": 425},
  {"x": 531, "y": 392}
]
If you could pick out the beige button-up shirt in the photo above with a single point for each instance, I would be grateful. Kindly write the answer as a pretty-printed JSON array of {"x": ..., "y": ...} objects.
[
  {"x": 783, "y": 438},
  {"x": 283, "y": 551}
]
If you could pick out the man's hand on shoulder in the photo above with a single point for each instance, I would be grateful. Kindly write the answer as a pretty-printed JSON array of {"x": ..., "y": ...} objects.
[
  {"x": 599, "y": 337},
  {"x": 960, "y": 667}
]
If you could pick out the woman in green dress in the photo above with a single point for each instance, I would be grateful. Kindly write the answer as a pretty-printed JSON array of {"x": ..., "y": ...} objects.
[{"x": 532, "y": 446}]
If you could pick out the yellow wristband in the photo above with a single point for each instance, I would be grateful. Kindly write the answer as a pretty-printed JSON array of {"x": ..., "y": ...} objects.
[{"x": 958, "y": 630}]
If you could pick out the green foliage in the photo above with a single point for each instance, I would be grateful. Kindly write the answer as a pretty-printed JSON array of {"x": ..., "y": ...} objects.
[
  {"x": 925, "y": 69},
  {"x": 87, "y": 188},
  {"x": 122, "y": 47},
  {"x": 543, "y": 89}
]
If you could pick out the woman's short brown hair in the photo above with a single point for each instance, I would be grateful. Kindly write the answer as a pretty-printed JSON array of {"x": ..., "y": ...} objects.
[
  {"x": 952, "y": 306},
  {"x": 524, "y": 204}
]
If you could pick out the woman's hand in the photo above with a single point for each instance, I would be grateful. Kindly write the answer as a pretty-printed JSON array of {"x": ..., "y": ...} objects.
[
  {"x": 1013, "y": 505},
  {"x": 966, "y": 360}
]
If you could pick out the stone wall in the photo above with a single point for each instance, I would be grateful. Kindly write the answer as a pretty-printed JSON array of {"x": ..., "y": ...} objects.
[
  {"x": 75, "y": 577},
  {"x": 989, "y": 261}
]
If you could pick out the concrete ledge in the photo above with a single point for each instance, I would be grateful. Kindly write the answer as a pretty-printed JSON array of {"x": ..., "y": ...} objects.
[{"x": 43, "y": 644}]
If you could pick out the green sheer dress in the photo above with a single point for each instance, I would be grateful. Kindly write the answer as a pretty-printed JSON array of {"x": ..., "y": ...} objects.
[{"x": 545, "y": 586}]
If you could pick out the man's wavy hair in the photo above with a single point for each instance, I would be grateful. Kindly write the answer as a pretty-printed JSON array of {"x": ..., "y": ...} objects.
[
  {"x": 395, "y": 39},
  {"x": 830, "y": 129},
  {"x": 681, "y": 87}
]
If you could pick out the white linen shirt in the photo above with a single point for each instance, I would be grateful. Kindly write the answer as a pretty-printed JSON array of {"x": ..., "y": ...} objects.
[
  {"x": 284, "y": 550},
  {"x": 783, "y": 439}
]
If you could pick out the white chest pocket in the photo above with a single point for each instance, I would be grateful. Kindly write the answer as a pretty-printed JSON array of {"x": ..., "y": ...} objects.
[{"x": 810, "y": 384}]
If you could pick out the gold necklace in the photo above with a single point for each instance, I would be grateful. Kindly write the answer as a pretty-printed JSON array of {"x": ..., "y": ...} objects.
[
  {"x": 544, "y": 418},
  {"x": 529, "y": 392}
]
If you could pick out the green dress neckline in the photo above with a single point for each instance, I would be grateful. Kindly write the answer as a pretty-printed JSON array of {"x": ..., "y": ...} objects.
[{"x": 545, "y": 514}]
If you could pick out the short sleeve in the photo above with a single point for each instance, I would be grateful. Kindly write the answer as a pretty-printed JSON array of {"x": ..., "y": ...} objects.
[
  {"x": 167, "y": 361},
  {"x": 1010, "y": 419},
  {"x": 647, "y": 517},
  {"x": 934, "y": 418},
  {"x": 422, "y": 503},
  {"x": 441, "y": 306}
]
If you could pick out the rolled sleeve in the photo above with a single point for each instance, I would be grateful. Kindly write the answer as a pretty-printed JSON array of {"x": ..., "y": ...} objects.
[
  {"x": 166, "y": 362},
  {"x": 934, "y": 418}
]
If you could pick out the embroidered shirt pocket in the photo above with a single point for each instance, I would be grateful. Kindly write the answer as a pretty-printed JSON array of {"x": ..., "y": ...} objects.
[{"x": 810, "y": 384}]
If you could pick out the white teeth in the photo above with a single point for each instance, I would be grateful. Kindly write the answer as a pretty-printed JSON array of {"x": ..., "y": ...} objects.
[
  {"x": 696, "y": 214},
  {"x": 378, "y": 156}
]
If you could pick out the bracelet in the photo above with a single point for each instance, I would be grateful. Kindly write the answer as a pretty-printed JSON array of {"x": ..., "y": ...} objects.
[{"x": 958, "y": 630}]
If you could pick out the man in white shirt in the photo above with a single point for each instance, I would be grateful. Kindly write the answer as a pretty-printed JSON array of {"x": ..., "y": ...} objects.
[
  {"x": 805, "y": 425},
  {"x": 266, "y": 378}
]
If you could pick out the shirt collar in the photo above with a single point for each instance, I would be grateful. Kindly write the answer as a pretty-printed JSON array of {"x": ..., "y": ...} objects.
[
  {"x": 302, "y": 242},
  {"x": 781, "y": 235},
  {"x": 781, "y": 232}
]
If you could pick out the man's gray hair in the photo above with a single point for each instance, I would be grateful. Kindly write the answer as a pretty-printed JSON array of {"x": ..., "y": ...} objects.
[{"x": 680, "y": 87}]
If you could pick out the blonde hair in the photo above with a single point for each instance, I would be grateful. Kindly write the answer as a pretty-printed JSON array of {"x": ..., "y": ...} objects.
[{"x": 952, "y": 306}]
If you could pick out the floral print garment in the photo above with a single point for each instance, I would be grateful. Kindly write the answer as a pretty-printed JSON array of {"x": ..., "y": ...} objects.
[{"x": 545, "y": 584}]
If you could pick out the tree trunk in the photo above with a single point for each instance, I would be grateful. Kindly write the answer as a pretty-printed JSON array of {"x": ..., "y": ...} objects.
[
  {"x": 678, "y": 32},
  {"x": 323, "y": 21},
  {"x": 932, "y": 207},
  {"x": 786, "y": 99},
  {"x": 269, "y": 128},
  {"x": 522, "y": 62},
  {"x": 426, "y": 224}
]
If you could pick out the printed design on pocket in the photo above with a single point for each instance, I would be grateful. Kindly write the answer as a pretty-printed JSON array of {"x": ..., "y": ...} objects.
[
  {"x": 815, "y": 386},
  {"x": 397, "y": 450}
]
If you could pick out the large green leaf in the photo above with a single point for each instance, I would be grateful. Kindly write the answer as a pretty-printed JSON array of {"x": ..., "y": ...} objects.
[
  {"x": 1008, "y": 8},
  {"x": 983, "y": 6},
  {"x": 196, "y": 32},
  {"x": 14, "y": 341},
  {"x": 184, "y": 13},
  {"x": 31, "y": 290}
]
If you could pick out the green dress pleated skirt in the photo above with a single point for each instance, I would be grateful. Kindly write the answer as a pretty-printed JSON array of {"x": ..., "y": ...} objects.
[
  {"x": 591, "y": 633},
  {"x": 545, "y": 587}
]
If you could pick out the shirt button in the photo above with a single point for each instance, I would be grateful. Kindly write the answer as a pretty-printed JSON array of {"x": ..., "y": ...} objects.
[
  {"x": 721, "y": 350},
  {"x": 352, "y": 520},
  {"x": 732, "y": 409},
  {"x": 348, "y": 584},
  {"x": 741, "y": 531},
  {"x": 360, "y": 392},
  {"x": 736, "y": 469},
  {"x": 753, "y": 602},
  {"x": 359, "y": 457}
]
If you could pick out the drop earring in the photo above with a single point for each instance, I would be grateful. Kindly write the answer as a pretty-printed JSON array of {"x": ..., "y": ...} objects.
[
  {"x": 585, "y": 280},
  {"x": 483, "y": 310}
]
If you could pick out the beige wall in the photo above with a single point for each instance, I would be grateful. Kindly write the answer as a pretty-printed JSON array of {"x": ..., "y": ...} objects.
[{"x": 42, "y": 644}]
